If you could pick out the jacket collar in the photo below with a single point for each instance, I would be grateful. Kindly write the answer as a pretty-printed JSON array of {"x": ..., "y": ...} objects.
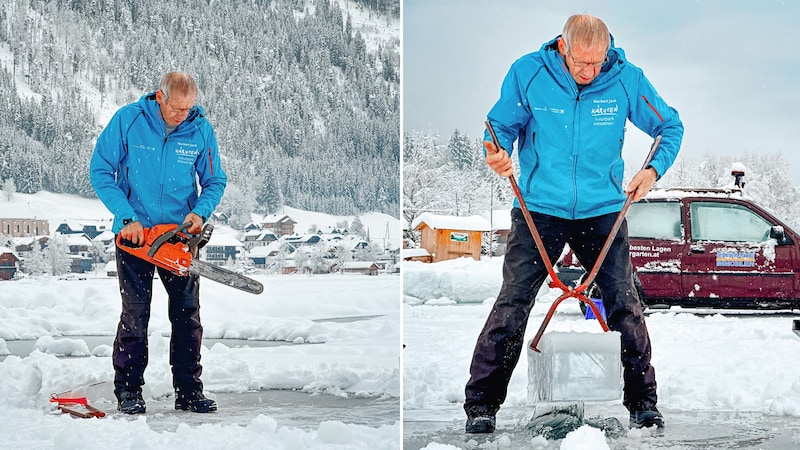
[
  {"x": 555, "y": 63},
  {"x": 152, "y": 112}
]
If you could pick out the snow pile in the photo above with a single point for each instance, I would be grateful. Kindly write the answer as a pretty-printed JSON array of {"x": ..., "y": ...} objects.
[
  {"x": 585, "y": 438},
  {"x": 340, "y": 336},
  {"x": 461, "y": 280},
  {"x": 704, "y": 360},
  {"x": 62, "y": 347}
]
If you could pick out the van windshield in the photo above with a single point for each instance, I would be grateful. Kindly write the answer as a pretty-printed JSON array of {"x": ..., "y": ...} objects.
[{"x": 658, "y": 220}]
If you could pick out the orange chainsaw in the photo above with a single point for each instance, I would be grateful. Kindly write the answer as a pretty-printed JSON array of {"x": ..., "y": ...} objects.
[{"x": 168, "y": 246}]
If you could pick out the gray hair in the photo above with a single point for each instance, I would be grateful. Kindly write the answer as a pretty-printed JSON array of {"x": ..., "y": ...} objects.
[
  {"x": 586, "y": 30},
  {"x": 180, "y": 82}
]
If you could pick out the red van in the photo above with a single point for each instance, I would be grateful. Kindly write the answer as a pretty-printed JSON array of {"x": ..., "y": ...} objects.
[{"x": 708, "y": 248}]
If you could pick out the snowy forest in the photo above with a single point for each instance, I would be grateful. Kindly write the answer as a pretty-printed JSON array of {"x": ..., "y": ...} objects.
[
  {"x": 453, "y": 178},
  {"x": 303, "y": 94}
]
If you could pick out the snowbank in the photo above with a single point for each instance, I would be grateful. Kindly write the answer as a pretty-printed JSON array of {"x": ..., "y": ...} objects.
[
  {"x": 704, "y": 360},
  {"x": 461, "y": 280}
]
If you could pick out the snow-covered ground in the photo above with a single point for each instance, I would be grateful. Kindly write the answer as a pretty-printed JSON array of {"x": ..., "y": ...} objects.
[
  {"x": 324, "y": 355},
  {"x": 731, "y": 364},
  {"x": 333, "y": 382}
]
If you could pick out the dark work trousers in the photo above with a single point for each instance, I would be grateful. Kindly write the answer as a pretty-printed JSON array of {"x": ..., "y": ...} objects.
[
  {"x": 130, "y": 353},
  {"x": 500, "y": 343}
]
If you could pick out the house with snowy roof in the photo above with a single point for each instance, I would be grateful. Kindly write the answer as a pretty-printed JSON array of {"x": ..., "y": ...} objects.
[
  {"x": 79, "y": 244},
  {"x": 9, "y": 263},
  {"x": 21, "y": 220},
  {"x": 501, "y": 227},
  {"x": 258, "y": 238},
  {"x": 24, "y": 246},
  {"x": 111, "y": 268},
  {"x": 281, "y": 225},
  {"x": 90, "y": 228},
  {"x": 221, "y": 248},
  {"x": 362, "y": 267},
  {"x": 450, "y": 237},
  {"x": 259, "y": 256}
]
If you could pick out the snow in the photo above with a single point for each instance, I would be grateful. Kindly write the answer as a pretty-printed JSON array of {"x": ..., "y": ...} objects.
[
  {"x": 325, "y": 357},
  {"x": 437, "y": 221},
  {"x": 705, "y": 360},
  {"x": 738, "y": 167},
  {"x": 456, "y": 279},
  {"x": 333, "y": 335},
  {"x": 585, "y": 438}
]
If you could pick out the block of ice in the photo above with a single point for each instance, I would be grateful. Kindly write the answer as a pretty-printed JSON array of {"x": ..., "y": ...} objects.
[{"x": 575, "y": 366}]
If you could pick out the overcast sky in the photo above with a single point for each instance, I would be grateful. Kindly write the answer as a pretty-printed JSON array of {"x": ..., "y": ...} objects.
[{"x": 730, "y": 67}]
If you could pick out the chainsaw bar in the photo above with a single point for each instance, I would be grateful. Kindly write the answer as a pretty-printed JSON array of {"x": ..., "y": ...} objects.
[{"x": 225, "y": 276}]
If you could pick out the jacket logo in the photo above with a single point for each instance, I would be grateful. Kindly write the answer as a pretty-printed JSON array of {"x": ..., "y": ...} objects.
[
  {"x": 186, "y": 155},
  {"x": 604, "y": 112},
  {"x": 549, "y": 109},
  {"x": 186, "y": 152}
]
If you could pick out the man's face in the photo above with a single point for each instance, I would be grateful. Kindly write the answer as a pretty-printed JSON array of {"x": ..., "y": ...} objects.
[
  {"x": 584, "y": 63},
  {"x": 176, "y": 108}
]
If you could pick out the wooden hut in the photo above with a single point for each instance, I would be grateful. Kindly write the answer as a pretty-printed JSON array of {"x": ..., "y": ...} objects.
[{"x": 450, "y": 237}]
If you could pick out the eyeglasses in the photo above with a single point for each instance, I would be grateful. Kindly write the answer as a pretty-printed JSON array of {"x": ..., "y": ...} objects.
[
  {"x": 580, "y": 65},
  {"x": 178, "y": 110}
]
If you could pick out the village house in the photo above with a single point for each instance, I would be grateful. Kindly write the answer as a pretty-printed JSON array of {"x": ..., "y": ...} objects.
[
  {"x": 259, "y": 256},
  {"x": 450, "y": 237},
  {"x": 221, "y": 248},
  {"x": 9, "y": 263},
  {"x": 111, "y": 268},
  {"x": 21, "y": 221},
  {"x": 258, "y": 238},
  {"x": 90, "y": 228},
  {"x": 79, "y": 245},
  {"x": 362, "y": 267},
  {"x": 24, "y": 246},
  {"x": 24, "y": 227},
  {"x": 281, "y": 225},
  {"x": 501, "y": 227}
]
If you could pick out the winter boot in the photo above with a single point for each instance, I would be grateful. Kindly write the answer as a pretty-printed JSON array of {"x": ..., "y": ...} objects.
[
  {"x": 131, "y": 402},
  {"x": 646, "y": 415},
  {"x": 480, "y": 420},
  {"x": 194, "y": 401}
]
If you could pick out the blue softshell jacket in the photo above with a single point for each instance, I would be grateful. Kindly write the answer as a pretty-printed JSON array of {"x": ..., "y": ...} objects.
[
  {"x": 139, "y": 172},
  {"x": 570, "y": 142}
]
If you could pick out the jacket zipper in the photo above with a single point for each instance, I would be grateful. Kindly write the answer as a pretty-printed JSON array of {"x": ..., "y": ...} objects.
[
  {"x": 653, "y": 108},
  {"x": 575, "y": 149},
  {"x": 161, "y": 177}
]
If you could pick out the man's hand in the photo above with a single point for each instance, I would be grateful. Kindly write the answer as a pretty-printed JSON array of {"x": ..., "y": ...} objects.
[
  {"x": 197, "y": 223},
  {"x": 641, "y": 183},
  {"x": 498, "y": 160},
  {"x": 133, "y": 232}
]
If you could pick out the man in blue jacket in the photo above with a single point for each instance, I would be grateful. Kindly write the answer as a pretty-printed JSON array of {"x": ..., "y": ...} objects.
[
  {"x": 157, "y": 161},
  {"x": 566, "y": 107}
]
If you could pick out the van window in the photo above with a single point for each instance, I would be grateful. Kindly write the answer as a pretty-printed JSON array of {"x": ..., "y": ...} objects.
[
  {"x": 727, "y": 222},
  {"x": 660, "y": 220}
]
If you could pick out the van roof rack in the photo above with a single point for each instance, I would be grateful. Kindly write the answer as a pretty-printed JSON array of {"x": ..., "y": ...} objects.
[{"x": 681, "y": 192}]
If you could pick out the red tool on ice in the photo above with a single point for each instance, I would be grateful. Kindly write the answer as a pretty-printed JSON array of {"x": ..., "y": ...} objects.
[
  {"x": 168, "y": 246},
  {"x": 569, "y": 292},
  {"x": 76, "y": 406}
]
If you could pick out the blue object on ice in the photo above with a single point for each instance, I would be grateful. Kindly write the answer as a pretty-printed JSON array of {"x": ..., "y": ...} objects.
[{"x": 590, "y": 313}]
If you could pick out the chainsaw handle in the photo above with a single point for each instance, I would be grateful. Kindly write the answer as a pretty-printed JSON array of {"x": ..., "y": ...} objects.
[{"x": 165, "y": 237}]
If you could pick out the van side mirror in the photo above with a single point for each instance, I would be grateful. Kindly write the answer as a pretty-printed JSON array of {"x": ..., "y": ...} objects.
[{"x": 779, "y": 234}]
